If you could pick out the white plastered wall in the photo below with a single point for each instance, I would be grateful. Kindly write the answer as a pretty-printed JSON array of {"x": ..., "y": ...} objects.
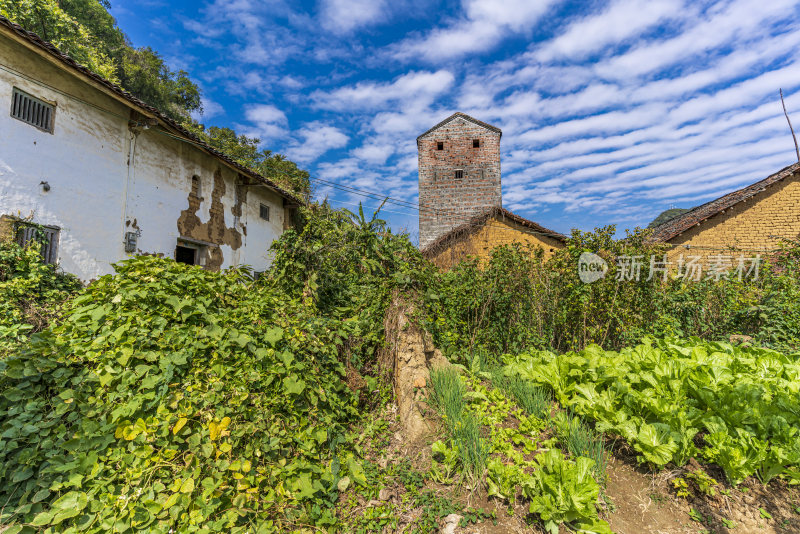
[{"x": 95, "y": 196}]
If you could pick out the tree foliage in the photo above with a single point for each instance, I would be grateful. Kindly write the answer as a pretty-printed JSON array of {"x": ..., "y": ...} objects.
[{"x": 54, "y": 23}]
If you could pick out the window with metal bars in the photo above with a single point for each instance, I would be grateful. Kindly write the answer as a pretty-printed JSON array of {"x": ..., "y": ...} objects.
[
  {"x": 264, "y": 212},
  {"x": 46, "y": 236},
  {"x": 33, "y": 111}
]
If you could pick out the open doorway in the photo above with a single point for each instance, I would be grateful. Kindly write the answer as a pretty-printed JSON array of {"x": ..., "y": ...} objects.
[{"x": 187, "y": 255}]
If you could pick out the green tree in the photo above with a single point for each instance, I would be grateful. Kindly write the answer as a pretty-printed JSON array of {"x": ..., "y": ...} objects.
[
  {"x": 145, "y": 74},
  {"x": 54, "y": 24}
]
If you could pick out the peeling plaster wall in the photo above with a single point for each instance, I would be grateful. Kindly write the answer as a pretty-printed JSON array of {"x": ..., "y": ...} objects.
[{"x": 94, "y": 199}]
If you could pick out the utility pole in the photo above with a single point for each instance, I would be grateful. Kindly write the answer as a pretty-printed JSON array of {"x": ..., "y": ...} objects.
[{"x": 796, "y": 149}]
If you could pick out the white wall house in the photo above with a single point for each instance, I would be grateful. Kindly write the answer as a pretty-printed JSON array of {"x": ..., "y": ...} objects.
[{"x": 111, "y": 177}]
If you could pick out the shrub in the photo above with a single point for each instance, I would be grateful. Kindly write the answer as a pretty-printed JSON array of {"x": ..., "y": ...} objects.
[{"x": 30, "y": 293}]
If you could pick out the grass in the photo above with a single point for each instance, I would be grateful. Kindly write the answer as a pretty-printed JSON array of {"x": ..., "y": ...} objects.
[{"x": 463, "y": 427}]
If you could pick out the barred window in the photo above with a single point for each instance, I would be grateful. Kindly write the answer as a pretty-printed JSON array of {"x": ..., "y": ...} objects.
[
  {"x": 47, "y": 236},
  {"x": 459, "y": 174},
  {"x": 264, "y": 212},
  {"x": 33, "y": 111}
]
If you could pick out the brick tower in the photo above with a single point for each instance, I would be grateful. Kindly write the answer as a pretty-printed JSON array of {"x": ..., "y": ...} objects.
[{"x": 459, "y": 174}]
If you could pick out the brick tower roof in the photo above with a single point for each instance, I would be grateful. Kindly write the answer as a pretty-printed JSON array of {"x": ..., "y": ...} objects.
[{"x": 464, "y": 116}]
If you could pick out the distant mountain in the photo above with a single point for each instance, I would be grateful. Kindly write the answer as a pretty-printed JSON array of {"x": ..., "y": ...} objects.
[{"x": 666, "y": 216}]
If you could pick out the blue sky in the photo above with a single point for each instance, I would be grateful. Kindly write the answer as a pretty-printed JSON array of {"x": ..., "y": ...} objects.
[{"x": 611, "y": 111}]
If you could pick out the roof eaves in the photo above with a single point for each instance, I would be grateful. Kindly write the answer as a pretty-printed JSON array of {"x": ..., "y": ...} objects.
[
  {"x": 464, "y": 116},
  {"x": 477, "y": 221},
  {"x": 677, "y": 225}
]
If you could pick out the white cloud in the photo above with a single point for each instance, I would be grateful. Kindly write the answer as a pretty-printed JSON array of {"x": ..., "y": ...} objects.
[
  {"x": 622, "y": 20},
  {"x": 317, "y": 138},
  {"x": 483, "y": 24},
  {"x": 343, "y": 16},
  {"x": 265, "y": 121},
  {"x": 411, "y": 87},
  {"x": 741, "y": 19}
]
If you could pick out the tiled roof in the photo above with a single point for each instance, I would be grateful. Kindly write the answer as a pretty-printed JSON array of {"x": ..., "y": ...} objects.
[
  {"x": 460, "y": 232},
  {"x": 681, "y": 223},
  {"x": 464, "y": 116},
  {"x": 134, "y": 102}
]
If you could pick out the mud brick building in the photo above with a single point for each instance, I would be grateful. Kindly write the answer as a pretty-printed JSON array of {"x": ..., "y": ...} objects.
[
  {"x": 460, "y": 199},
  {"x": 749, "y": 221}
]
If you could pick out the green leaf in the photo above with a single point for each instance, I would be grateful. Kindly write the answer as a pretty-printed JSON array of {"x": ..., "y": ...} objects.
[
  {"x": 343, "y": 484},
  {"x": 273, "y": 335},
  {"x": 293, "y": 386}
]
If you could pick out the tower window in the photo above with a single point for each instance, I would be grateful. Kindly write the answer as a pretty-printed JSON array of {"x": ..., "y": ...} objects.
[
  {"x": 459, "y": 174},
  {"x": 476, "y": 143},
  {"x": 440, "y": 145}
]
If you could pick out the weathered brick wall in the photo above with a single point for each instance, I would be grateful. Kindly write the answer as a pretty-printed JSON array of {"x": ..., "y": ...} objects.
[
  {"x": 497, "y": 231},
  {"x": 446, "y": 201},
  {"x": 751, "y": 226}
]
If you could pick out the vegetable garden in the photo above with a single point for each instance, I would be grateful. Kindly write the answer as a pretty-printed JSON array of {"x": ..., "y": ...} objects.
[{"x": 168, "y": 398}]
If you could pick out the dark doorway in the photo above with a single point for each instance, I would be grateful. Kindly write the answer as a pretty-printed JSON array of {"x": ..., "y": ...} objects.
[{"x": 185, "y": 255}]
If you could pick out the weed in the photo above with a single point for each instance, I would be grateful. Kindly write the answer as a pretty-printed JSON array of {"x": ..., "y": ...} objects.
[
  {"x": 463, "y": 426},
  {"x": 694, "y": 515},
  {"x": 471, "y": 447},
  {"x": 728, "y": 523},
  {"x": 764, "y": 514}
]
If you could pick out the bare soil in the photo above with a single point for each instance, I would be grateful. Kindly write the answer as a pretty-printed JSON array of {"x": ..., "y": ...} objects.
[{"x": 645, "y": 503}]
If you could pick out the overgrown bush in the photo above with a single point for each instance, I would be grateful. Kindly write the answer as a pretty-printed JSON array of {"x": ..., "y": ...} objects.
[
  {"x": 30, "y": 293},
  {"x": 518, "y": 300},
  {"x": 347, "y": 266}
]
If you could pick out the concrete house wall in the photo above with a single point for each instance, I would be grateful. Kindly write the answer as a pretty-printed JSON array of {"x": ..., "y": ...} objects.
[{"x": 107, "y": 178}]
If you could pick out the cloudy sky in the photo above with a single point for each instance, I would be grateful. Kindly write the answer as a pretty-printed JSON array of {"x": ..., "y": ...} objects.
[{"x": 611, "y": 111}]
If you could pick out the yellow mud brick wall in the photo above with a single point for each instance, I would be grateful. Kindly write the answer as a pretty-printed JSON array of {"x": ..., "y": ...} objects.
[
  {"x": 495, "y": 232},
  {"x": 751, "y": 227}
]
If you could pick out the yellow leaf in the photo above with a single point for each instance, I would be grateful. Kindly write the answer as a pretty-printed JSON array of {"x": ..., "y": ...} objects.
[
  {"x": 216, "y": 428},
  {"x": 177, "y": 428},
  {"x": 187, "y": 486}
]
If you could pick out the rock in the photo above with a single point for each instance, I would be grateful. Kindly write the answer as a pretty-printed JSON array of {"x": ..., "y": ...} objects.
[
  {"x": 450, "y": 524},
  {"x": 385, "y": 494},
  {"x": 383, "y": 462},
  {"x": 419, "y": 382},
  {"x": 741, "y": 339}
]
